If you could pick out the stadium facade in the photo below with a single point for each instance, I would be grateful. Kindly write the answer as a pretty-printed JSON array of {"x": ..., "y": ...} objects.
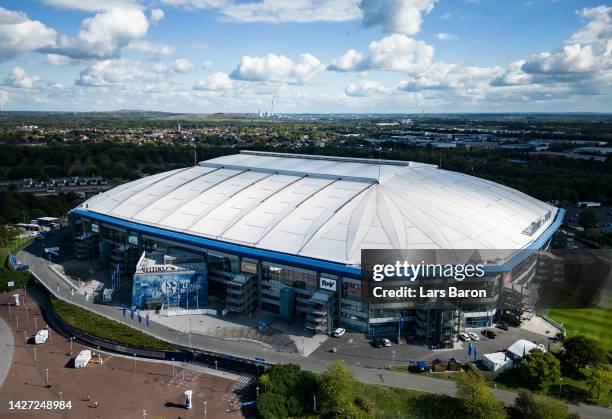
[{"x": 283, "y": 233}]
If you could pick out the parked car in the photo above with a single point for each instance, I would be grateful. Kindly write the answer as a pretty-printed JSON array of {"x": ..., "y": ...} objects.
[
  {"x": 378, "y": 343},
  {"x": 339, "y": 332},
  {"x": 489, "y": 333},
  {"x": 502, "y": 326},
  {"x": 386, "y": 343},
  {"x": 473, "y": 336},
  {"x": 464, "y": 336}
]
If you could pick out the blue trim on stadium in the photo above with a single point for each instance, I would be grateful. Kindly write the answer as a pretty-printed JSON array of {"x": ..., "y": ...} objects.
[
  {"x": 293, "y": 260},
  {"x": 267, "y": 255}
]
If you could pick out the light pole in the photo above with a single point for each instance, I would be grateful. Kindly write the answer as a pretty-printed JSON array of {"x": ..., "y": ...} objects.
[
  {"x": 172, "y": 367},
  {"x": 25, "y": 338},
  {"x": 205, "y": 409},
  {"x": 216, "y": 365},
  {"x": 35, "y": 324},
  {"x": 71, "y": 339},
  {"x": 47, "y": 377},
  {"x": 35, "y": 357},
  {"x": 257, "y": 391},
  {"x": 17, "y": 320},
  {"x": 560, "y": 385},
  {"x": 134, "y": 362}
]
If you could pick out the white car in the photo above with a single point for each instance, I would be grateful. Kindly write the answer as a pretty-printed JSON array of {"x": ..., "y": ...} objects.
[
  {"x": 339, "y": 332},
  {"x": 473, "y": 336},
  {"x": 386, "y": 343},
  {"x": 464, "y": 336}
]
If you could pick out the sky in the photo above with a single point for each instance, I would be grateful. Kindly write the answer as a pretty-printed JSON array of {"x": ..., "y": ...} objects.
[{"x": 315, "y": 56}]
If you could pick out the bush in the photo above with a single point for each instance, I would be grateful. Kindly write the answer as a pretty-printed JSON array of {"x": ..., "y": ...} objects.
[
  {"x": 539, "y": 367},
  {"x": 293, "y": 386},
  {"x": 272, "y": 406},
  {"x": 528, "y": 406},
  {"x": 364, "y": 404},
  {"x": 477, "y": 399}
]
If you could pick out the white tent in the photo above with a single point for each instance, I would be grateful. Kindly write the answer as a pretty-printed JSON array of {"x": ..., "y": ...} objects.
[
  {"x": 522, "y": 347},
  {"x": 497, "y": 361}
]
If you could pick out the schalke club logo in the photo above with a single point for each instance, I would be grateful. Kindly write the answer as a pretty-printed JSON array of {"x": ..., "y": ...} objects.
[{"x": 169, "y": 287}]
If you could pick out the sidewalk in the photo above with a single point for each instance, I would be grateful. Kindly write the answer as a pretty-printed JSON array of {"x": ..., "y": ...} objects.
[{"x": 6, "y": 350}]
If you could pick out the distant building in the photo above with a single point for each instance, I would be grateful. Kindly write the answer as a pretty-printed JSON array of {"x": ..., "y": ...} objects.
[{"x": 602, "y": 151}]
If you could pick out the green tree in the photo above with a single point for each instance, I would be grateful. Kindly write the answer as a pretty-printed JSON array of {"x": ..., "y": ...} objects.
[
  {"x": 272, "y": 406},
  {"x": 477, "y": 399},
  {"x": 580, "y": 351},
  {"x": 336, "y": 390},
  {"x": 599, "y": 379},
  {"x": 528, "y": 406},
  {"x": 539, "y": 367}
]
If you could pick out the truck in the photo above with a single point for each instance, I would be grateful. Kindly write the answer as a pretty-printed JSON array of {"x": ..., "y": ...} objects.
[
  {"x": 82, "y": 359},
  {"x": 588, "y": 204},
  {"x": 41, "y": 336}
]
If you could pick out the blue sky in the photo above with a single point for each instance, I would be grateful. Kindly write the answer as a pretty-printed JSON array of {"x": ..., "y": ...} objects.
[{"x": 309, "y": 55}]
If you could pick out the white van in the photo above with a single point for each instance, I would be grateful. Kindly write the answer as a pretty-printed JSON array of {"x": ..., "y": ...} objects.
[
  {"x": 82, "y": 359},
  {"x": 41, "y": 336}
]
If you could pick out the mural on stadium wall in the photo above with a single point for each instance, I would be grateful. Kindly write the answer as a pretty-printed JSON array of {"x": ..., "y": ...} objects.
[{"x": 186, "y": 289}]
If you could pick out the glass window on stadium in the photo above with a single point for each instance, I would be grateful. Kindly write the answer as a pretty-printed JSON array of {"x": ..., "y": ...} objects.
[
  {"x": 152, "y": 245},
  {"x": 351, "y": 289},
  {"x": 223, "y": 262},
  {"x": 291, "y": 277},
  {"x": 248, "y": 266}
]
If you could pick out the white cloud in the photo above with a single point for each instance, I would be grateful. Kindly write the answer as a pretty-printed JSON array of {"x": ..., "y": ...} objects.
[
  {"x": 20, "y": 79},
  {"x": 151, "y": 48},
  {"x": 161, "y": 87},
  {"x": 513, "y": 76},
  {"x": 350, "y": 61},
  {"x": 182, "y": 65},
  {"x": 105, "y": 34},
  {"x": 109, "y": 73},
  {"x": 160, "y": 68},
  {"x": 277, "y": 10},
  {"x": 207, "y": 65},
  {"x": 396, "y": 16},
  {"x": 93, "y": 5},
  {"x": 599, "y": 28},
  {"x": 567, "y": 60},
  {"x": 445, "y": 76},
  {"x": 56, "y": 59},
  {"x": 19, "y": 35},
  {"x": 277, "y": 68},
  {"x": 365, "y": 88},
  {"x": 4, "y": 98},
  {"x": 394, "y": 52},
  {"x": 156, "y": 16},
  {"x": 215, "y": 82},
  {"x": 443, "y": 36}
]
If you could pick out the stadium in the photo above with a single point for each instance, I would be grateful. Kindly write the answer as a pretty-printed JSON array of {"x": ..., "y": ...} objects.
[{"x": 284, "y": 234}]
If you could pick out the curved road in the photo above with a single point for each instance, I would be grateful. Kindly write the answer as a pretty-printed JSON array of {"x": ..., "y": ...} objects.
[
  {"x": 58, "y": 287},
  {"x": 6, "y": 349}
]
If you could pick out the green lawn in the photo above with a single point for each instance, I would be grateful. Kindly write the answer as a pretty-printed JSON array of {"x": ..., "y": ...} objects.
[
  {"x": 591, "y": 322},
  {"x": 99, "y": 326},
  {"x": 392, "y": 402},
  {"x": 7, "y": 275}
]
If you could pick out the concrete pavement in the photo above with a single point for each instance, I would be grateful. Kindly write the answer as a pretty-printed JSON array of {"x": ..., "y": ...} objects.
[{"x": 60, "y": 289}]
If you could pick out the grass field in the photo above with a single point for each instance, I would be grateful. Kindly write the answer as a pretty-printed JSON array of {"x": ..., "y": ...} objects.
[
  {"x": 392, "y": 402},
  {"x": 592, "y": 322},
  {"x": 6, "y": 275},
  {"x": 99, "y": 326}
]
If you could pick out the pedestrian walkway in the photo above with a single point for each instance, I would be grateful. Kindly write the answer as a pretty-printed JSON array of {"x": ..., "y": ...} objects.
[{"x": 6, "y": 350}]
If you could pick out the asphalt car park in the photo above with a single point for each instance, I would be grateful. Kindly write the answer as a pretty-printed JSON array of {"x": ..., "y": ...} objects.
[{"x": 359, "y": 349}]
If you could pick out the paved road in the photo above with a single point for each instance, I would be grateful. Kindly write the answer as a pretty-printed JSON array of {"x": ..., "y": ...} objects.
[
  {"x": 60, "y": 289},
  {"x": 6, "y": 349}
]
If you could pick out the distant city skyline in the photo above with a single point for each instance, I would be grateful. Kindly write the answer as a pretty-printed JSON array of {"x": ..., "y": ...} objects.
[{"x": 309, "y": 56}]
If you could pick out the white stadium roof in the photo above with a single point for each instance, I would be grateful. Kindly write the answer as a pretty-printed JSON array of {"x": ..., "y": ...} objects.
[{"x": 329, "y": 207}]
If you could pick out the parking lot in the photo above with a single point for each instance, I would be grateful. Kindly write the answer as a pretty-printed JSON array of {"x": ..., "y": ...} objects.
[{"x": 358, "y": 349}]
